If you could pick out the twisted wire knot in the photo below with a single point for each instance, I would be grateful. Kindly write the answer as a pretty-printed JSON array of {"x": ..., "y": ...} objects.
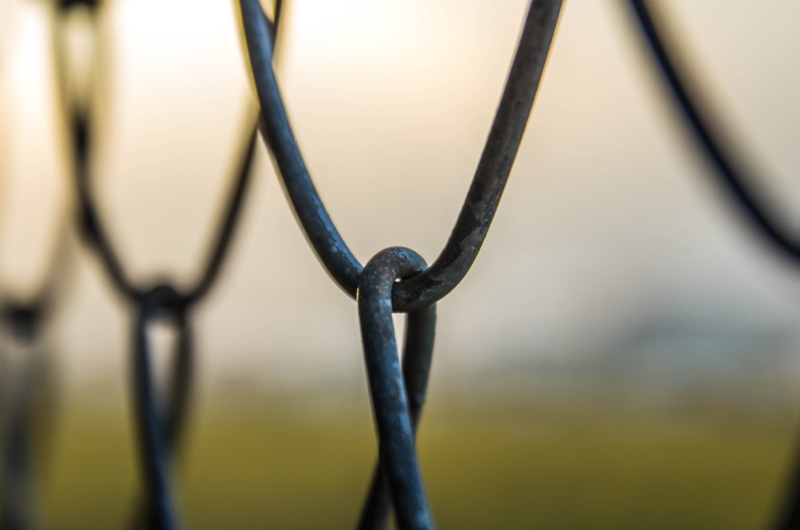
[
  {"x": 23, "y": 321},
  {"x": 66, "y": 5},
  {"x": 163, "y": 300}
]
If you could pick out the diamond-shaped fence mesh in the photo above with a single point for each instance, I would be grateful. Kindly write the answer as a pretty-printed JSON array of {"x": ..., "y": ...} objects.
[{"x": 395, "y": 280}]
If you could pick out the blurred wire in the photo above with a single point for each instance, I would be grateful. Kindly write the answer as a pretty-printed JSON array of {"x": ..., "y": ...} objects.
[
  {"x": 377, "y": 287},
  {"x": 26, "y": 413},
  {"x": 742, "y": 187},
  {"x": 27, "y": 397},
  {"x": 699, "y": 117},
  {"x": 160, "y": 426},
  {"x": 28, "y": 382}
]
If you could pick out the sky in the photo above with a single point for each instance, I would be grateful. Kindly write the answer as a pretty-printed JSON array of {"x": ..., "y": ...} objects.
[{"x": 609, "y": 225}]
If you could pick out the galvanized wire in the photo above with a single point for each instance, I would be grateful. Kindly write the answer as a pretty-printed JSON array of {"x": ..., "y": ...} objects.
[
  {"x": 395, "y": 279},
  {"x": 417, "y": 359},
  {"x": 398, "y": 394},
  {"x": 390, "y": 395},
  {"x": 482, "y": 198}
]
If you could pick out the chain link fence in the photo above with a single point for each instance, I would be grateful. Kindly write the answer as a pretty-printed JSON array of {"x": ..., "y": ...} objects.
[{"x": 395, "y": 280}]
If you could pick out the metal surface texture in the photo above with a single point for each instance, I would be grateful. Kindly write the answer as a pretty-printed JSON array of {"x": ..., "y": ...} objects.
[
  {"x": 734, "y": 178},
  {"x": 387, "y": 386},
  {"x": 483, "y": 196},
  {"x": 398, "y": 279},
  {"x": 395, "y": 280},
  {"x": 417, "y": 359}
]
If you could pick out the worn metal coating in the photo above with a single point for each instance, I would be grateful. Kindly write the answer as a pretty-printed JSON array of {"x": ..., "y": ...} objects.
[
  {"x": 159, "y": 432},
  {"x": 482, "y": 198},
  {"x": 417, "y": 359},
  {"x": 390, "y": 400}
]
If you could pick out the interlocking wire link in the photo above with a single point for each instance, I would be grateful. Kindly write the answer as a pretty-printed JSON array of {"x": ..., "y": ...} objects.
[
  {"x": 66, "y": 5},
  {"x": 396, "y": 407},
  {"x": 484, "y": 194},
  {"x": 160, "y": 425},
  {"x": 417, "y": 358},
  {"x": 735, "y": 179},
  {"x": 16, "y": 500},
  {"x": 160, "y": 431},
  {"x": 24, "y": 367},
  {"x": 27, "y": 393},
  {"x": 387, "y": 385},
  {"x": 394, "y": 280}
]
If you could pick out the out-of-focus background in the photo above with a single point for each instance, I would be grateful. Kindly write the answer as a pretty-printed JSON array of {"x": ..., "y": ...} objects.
[{"x": 624, "y": 354}]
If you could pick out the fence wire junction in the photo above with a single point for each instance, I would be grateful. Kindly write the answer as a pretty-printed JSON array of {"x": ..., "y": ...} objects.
[{"x": 395, "y": 280}]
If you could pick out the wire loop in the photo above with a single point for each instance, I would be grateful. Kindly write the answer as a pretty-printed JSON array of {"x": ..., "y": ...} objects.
[
  {"x": 390, "y": 397},
  {"x": 484, "y": 194}
]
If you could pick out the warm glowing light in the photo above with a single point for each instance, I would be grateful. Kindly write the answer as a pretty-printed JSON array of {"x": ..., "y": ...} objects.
[{"x": 33, "y": 184}]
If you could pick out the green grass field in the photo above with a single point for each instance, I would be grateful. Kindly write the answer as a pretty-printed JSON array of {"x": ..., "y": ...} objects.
[{"x": 494, "y": 467}]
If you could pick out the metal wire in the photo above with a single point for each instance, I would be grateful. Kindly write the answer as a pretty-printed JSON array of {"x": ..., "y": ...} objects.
[
  {"x": 159, "y": 427},
  {"x": 417, "y": 358},
  {"x": 24, "y": 366},
  {"x": 27, "y": 382},
  {"x": 699, "y": 118},
  {"x": 735, "y": 179},
  {"x": 26, "y": 396},
  {"x": 395, "y": 279},
  {"x": 397, "y": 408},
  {"x": 482, "y": 198}
]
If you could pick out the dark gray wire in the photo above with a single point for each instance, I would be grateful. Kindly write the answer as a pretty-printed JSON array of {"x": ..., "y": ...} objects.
[
  {"x": 20, "y": 393},
  {"x": 484, "y": 194},
  {"x": 417, "y": 358},
  {"x": 16, "y": 460},
  {"x": 398, "y": 468},
  {"x": 163, "y": 301},
  {"x": 66, "y": 5},
  {"x": 736, "y": 180},
  {"x": 698, "y": 118},
  {"x": 150, "y": 426},
  {"x": 390, "y": 398},
  {"x": 94, "y": 228},
  {"x": 25, "y": 416},
  {"x": 159, "y": 435}
]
